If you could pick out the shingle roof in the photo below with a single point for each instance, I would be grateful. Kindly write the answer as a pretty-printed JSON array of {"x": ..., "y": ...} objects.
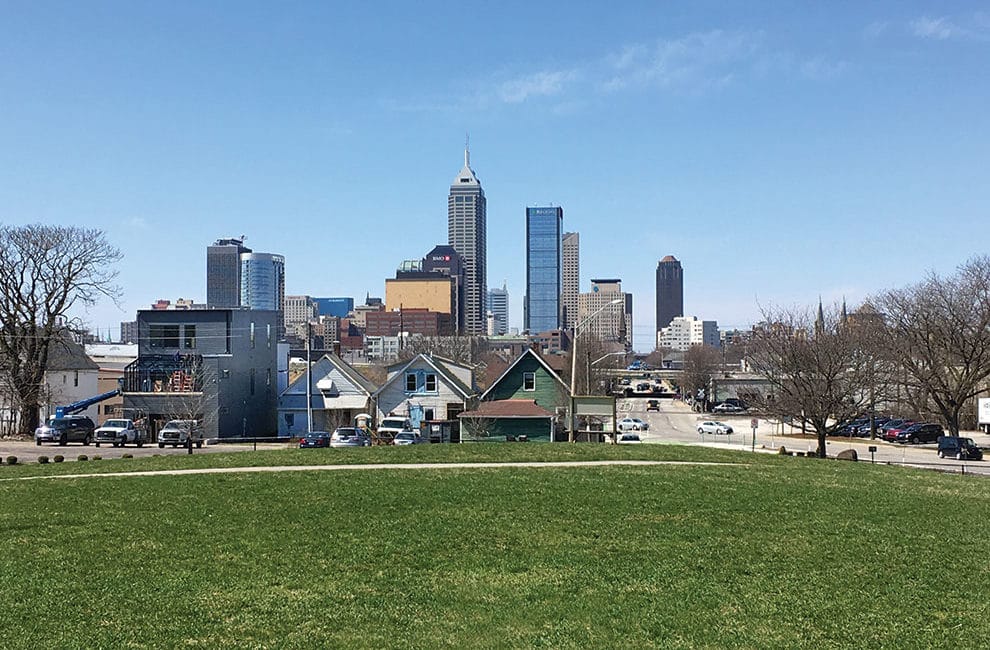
[
  {"x": 509, "y": 408},
  {"x": 65, "y": 354}
]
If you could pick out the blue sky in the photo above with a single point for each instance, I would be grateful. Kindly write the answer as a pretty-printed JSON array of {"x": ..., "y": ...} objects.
[{"x": 780, "y": 151}]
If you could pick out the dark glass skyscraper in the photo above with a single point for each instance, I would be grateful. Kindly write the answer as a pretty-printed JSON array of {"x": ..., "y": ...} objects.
[
  {"x": 467, "y": 232},
  {"x": 223, "y": 273},
  {"x": 543, "y": 269},
  {"x": 670, "y": 291}
]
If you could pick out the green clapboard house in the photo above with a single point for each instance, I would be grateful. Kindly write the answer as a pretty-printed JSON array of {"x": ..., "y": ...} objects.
[{"x": 527, "y": 402}]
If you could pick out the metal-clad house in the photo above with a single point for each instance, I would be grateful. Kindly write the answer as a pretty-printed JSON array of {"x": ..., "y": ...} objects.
[
  {"x": 426, "y": 388},
  {"x": 214, "y": 365},
  {"x": 338, "y": 393}
]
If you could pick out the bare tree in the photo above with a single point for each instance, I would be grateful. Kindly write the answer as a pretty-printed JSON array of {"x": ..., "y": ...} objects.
[
  {"x": 593, "y": 359},
  {"x": 46, "y": 271},
  {"x": 459, "y": 349},
  {"x": 701, "y": 363},
  {"x": 819, "y": 371},
  {"x": 938, "y": 332},
  {"x": 477, "y": 428}
]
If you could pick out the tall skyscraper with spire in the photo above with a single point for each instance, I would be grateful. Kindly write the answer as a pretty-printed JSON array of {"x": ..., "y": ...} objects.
[{"x": 467, "y": 233}]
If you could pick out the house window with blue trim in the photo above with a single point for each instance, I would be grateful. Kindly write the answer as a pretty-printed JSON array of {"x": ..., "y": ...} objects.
[{"x": 419, "y": 381}]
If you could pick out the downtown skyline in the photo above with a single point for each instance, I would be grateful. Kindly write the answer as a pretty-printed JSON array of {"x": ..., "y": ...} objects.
[{"x": 777, "y": 152}]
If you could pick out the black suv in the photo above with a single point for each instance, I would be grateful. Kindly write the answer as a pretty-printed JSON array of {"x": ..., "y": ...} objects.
[
  {"x": 959, "y": 448},
  {"x": 70, "y": 428},
  {"x": 918, "y": 433}
]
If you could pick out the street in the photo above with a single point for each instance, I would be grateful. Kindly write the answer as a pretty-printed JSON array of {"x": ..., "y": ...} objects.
[{"x": 677, "y": 423}]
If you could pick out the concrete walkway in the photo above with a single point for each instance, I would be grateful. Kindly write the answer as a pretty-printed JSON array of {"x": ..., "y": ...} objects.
[{"x": 382, "y": 466}]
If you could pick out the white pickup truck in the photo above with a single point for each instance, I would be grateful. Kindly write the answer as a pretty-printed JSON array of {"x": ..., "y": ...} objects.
[{"x": 119, "y": 432}]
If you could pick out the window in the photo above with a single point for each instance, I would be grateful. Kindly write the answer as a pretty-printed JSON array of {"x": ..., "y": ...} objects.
[
  {"x": 431, "y": 385},
  {"x": 252, "y": 336},
  {"x": 410, "y": 382},
  {"x": 75, "y": 379},
  {"x": 189, "y": 341},
  {"x": 268, "y": 334},
  {"x": 529, "y": 381},
  {"x": 252, "y": 380},
  {"x": 428, "y": 414},
  {"x": 164, "y": 336}
]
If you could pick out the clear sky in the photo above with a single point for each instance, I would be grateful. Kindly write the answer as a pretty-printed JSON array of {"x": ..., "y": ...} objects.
[{"x": 780, "y": 151}]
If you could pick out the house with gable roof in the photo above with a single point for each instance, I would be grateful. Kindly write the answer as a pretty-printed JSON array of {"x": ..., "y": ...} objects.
[
  {"x": 338, "y": 393},
  {"x": 528, "y": 400},
  {"x": 427, "y": 388}
]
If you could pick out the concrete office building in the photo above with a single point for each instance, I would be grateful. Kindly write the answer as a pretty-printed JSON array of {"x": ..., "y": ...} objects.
[
  {"x": 670, "y": 291},
  {"x": 541, "y": 304},
  {"x": 498, "y": 307},
  {"x": 299, "y": 310},
  {"x": 467, "y": 234},
  {"x": 613, "y": 324},
  {"x": 223, "y": 273},
  {"x": 570, "y": 278},
  {"x": 686, "y": 331}
]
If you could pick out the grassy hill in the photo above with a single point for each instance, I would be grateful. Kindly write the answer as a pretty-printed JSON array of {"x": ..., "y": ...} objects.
[{"x": 774, "y": 552}]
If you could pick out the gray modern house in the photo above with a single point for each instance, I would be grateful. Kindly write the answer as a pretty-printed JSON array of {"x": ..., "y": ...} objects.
[{"x": 213, "y": 365}]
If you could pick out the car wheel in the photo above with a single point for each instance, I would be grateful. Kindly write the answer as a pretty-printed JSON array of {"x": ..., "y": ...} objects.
[
  {"x": 175, "y": 445},
  {"x": 161, "y": 445},
  {"x": 941, "y": 454},
  {"x": 62, "y": 440},
  {"x": 700, "y": 430},
  {"x": 140, "y": 443},
  {"x": 37, "y": 441},
  {"x": 123, "y": 442},
  {"x": 199, "y": 444},
  {"x": 915, "y": 440},
  {"x": 97, "y": 444}
]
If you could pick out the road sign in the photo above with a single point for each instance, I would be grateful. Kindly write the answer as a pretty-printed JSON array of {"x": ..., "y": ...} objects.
[{"x": 754, "y": 423}]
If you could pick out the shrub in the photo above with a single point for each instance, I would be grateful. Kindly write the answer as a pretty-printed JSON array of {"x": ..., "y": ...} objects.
[
  {"x": 11, "y": 460},
  {"x": 82, "y": 457},
  {"x": 127, "y": 456},
  {"x": 59, "y": 458},
  {"x": 43, "y": 460},
  {"x": 97, "y": 457},
  {"x": 782, "y": 451}
]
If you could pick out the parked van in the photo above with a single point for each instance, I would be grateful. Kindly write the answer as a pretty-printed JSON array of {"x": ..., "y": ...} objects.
[{"x": 959, "y": 448}]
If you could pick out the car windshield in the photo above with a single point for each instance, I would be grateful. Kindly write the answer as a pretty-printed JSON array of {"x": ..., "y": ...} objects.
[
  {"x": 115, "y": 423},
  {"x": 345, "y": 433},
  {"x": 404, "y": 436},
  {"x": 967, "y": 442}
]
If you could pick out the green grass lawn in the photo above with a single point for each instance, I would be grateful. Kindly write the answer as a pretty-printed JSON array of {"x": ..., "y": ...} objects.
[{"x": 778, "y": 552}]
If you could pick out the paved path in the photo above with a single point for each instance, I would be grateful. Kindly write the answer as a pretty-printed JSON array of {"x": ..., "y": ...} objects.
[{"x": 379, "y": 466}]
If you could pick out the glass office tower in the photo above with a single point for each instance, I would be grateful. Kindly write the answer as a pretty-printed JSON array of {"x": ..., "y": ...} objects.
[{"x": 543, "y": 265}]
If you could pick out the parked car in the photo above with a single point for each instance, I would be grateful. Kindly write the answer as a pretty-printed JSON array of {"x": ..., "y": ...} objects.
[
  {"x": 629, "y": 438},
  {"x": 653, "y": 405},
  {"x": 713, "y": 426},
  {"x": 409, "y": 438},
  {"x": 892, "y": 424},
  {"x": 959, "y": 448},
  {"x": 890, "y": 432},
  {"x": 919, "y": 433},
  {"x": 350, "y": 437},
  {"x": 632, "y": 424},
  {"x": 68, "y": 428},
  {"x": 315, "y": 439},
  {"x": 726, "y": 407},
  {"x": 863, "y": 430},
  {"x": 180, "y": 432}
]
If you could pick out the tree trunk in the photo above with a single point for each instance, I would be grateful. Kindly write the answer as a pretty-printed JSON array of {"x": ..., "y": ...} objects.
[{"x": 29, "y": 418}]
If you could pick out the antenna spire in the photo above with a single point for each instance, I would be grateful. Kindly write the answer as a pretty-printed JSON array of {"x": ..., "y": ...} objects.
[{"x": 467, "y": 150}]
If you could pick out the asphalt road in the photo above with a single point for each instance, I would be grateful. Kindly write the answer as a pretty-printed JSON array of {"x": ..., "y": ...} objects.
[{"x": 676, "y": 422}]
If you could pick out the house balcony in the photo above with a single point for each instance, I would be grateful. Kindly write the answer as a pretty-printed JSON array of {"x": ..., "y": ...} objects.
[{"x": 165, "y": 374}]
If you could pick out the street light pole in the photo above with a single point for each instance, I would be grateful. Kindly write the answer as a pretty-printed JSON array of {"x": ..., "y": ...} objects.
[{"x": 575, "y": 333}]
